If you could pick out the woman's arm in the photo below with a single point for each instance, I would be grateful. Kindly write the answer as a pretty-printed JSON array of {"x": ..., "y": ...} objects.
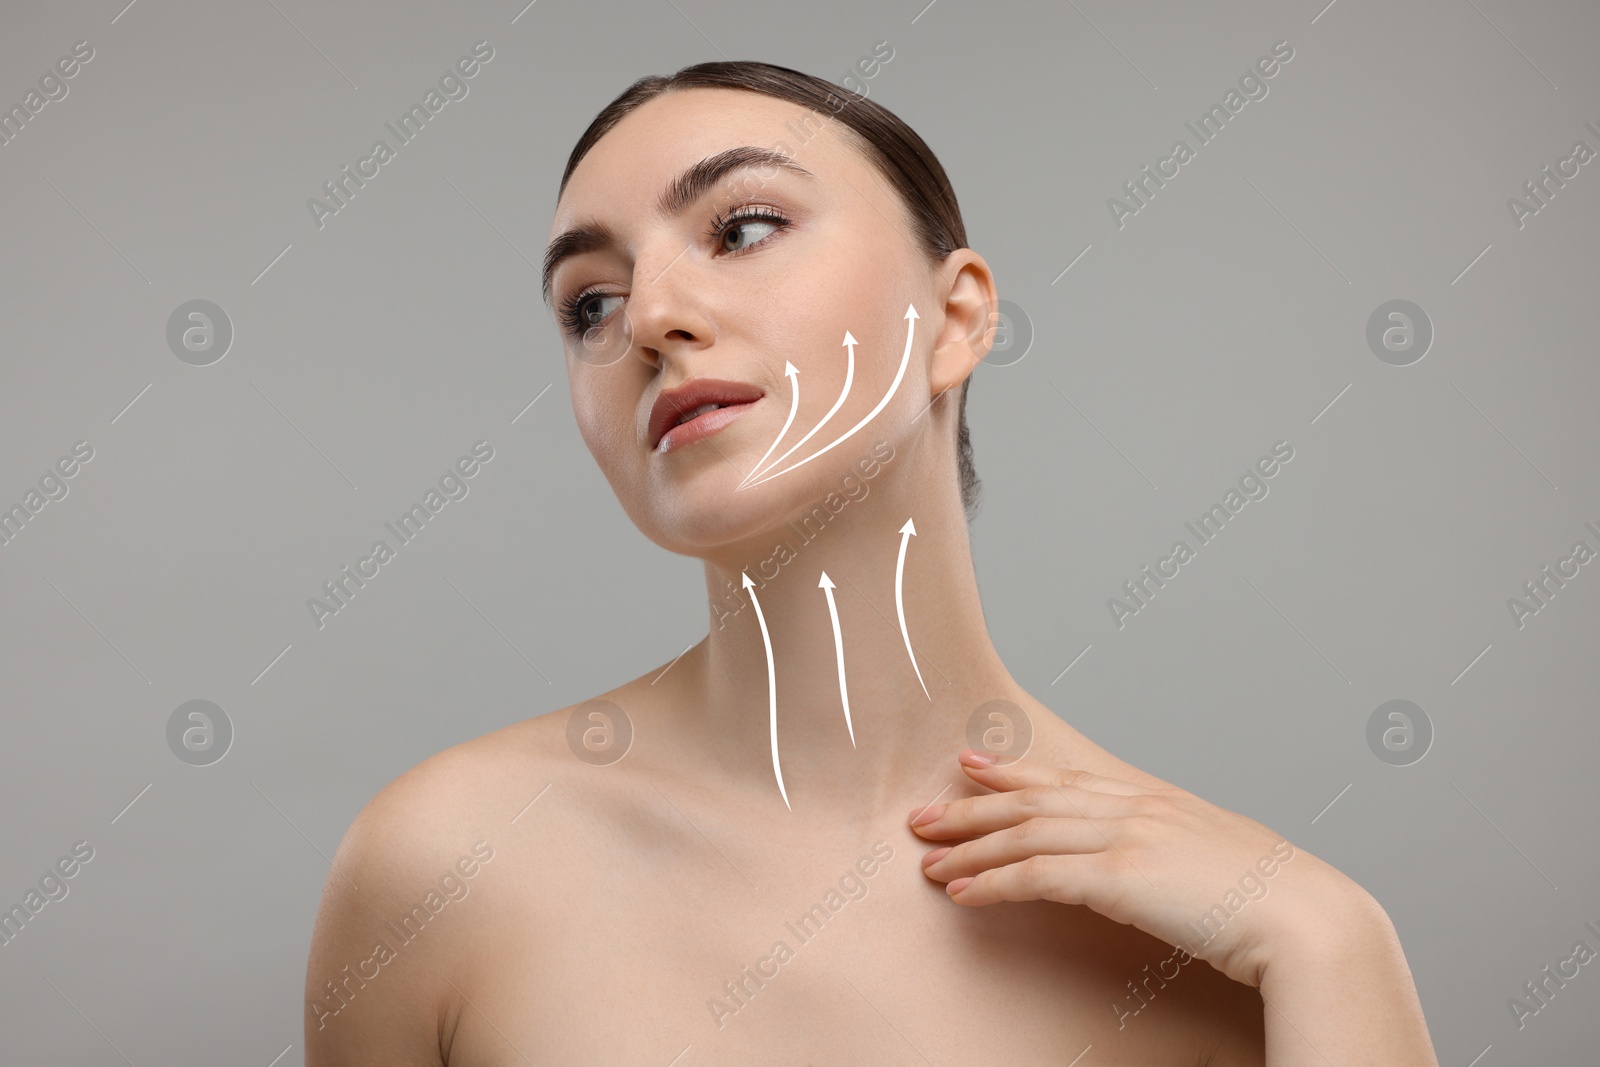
[
  {"x": 1211, "y": 882},
  {"x": 1340, "y": 991},
  {"x": 366, "y": 1005}
]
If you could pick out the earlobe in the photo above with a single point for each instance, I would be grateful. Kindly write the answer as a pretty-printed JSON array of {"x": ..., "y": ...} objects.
[{"x": 971, "y": 314}]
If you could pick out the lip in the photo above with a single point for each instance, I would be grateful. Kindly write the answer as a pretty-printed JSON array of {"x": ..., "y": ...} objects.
[
  {"x": 701, "y": 427},
  {"x": 666, "y": 434}
]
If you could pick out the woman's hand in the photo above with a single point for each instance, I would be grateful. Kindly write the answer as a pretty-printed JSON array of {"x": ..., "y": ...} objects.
[{"x": 1216, "y": 884}]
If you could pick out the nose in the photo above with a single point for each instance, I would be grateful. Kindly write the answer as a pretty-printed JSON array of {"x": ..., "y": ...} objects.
[{"x": 667, "y": 310}]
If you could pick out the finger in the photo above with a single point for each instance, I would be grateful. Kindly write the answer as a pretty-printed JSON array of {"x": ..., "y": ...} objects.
[
  {"x": 1054, "y": 837},
  {"x": 975, "y": 816},
  {"x": 1081, "y": 879},
  {"x": 1019, "y": 773}
]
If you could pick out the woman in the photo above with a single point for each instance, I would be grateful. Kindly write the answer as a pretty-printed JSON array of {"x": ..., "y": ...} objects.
[{"x": 767, "y": 850}]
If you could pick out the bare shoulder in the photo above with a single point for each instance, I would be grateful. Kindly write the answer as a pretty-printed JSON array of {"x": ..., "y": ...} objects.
[
  {"x": 1058, "y": 742},
  {"x": 451, "y": 799},
  {"x": 1193, "y": 996},
  {"x": 378, "y": 976}
]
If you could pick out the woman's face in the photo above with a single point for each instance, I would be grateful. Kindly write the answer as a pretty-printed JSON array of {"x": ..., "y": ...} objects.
[{"x": 762, "y": 269}]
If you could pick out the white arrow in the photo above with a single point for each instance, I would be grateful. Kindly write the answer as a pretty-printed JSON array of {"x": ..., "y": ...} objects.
[
  {"x": 905, "y": 359},
  {"x": 772, "y": 691},
  {"x": 908, "y": 531},
  {"x": 849, "y": 374},
  {"x": 794, "y": 406},
  {"x": 827, "y": 587}
]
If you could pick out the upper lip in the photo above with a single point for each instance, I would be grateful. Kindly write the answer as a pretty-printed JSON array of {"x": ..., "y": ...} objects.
[{"x": 672, "y": 404}]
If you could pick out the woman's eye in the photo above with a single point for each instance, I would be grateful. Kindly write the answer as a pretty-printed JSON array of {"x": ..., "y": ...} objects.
[
  {"x": 738, "y": 228},
  {"x": 589, "y": 312},
  {"x": 735, "y": 227}
]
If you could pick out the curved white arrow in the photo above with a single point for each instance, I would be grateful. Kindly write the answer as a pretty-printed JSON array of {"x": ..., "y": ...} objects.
[
  {"x": 794, "y": 406},
  {"x": 772, "y": 691},
  {"x": 827, "y": 587},
  {"x": 849, "y": 374},
  {"x": 905, "y": 359},
  {"x": 907, "y": 532}
]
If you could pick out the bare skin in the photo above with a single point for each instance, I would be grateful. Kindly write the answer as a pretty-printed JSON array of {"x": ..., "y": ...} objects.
[
  {"x": 617, "y": 906},
  {"x": 622, "y": 902}
]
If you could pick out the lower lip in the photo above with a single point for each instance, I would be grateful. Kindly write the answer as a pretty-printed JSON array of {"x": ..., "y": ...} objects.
[{"x": 700, "y": 427}]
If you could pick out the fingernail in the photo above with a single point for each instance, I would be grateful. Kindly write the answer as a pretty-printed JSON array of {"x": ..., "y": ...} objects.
[
  {"x": 977, "y": 759},
  {"x": 935, "y": 856},
  {"x": 957, "y": 886},
  {"x": 923, "y": 816}
]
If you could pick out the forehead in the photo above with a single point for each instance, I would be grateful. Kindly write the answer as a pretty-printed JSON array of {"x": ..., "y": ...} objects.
[{"x": 625, "y": 171}]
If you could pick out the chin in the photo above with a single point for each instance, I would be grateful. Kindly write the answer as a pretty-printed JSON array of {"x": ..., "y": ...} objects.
[{"x": 704, "y": 516}]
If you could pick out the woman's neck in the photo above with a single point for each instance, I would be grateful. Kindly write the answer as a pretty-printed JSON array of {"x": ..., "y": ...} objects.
[{"x": 906, "y": 731}]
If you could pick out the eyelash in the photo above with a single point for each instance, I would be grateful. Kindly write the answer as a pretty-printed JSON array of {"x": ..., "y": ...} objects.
[{"x": 571, "y": 318}]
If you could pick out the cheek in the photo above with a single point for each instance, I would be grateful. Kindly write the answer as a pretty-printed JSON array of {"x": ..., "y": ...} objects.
[
  {"x": 860, "y": 293},
  {"x": 604, "y": 416}
]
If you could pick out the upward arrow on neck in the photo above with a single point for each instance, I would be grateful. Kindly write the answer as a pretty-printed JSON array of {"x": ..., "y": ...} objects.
[
  {"x": 826, "y": 585},
  {"x": 772, "y": 691},
  {"x": 907, "y": 532}
]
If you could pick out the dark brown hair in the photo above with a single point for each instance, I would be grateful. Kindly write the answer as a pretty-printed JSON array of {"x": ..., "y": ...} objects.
[{"x": 899, "y": 154}]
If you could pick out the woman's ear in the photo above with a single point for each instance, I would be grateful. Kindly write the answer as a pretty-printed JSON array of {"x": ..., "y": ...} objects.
[{"x": 971, "y": 314}]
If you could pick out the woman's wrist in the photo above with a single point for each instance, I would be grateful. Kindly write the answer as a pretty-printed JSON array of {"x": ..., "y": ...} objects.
[
  {"x": 1342, "y": 990},
  {"x": 1347, "y": 929},
  {"x": 1325, "y": 919}
]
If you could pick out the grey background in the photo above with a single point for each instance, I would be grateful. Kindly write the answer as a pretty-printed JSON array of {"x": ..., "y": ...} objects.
[{"x": 368, "y": 355}]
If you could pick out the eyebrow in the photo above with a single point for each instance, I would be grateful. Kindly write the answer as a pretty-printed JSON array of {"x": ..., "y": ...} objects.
[{"x": 679, "y": 193}]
